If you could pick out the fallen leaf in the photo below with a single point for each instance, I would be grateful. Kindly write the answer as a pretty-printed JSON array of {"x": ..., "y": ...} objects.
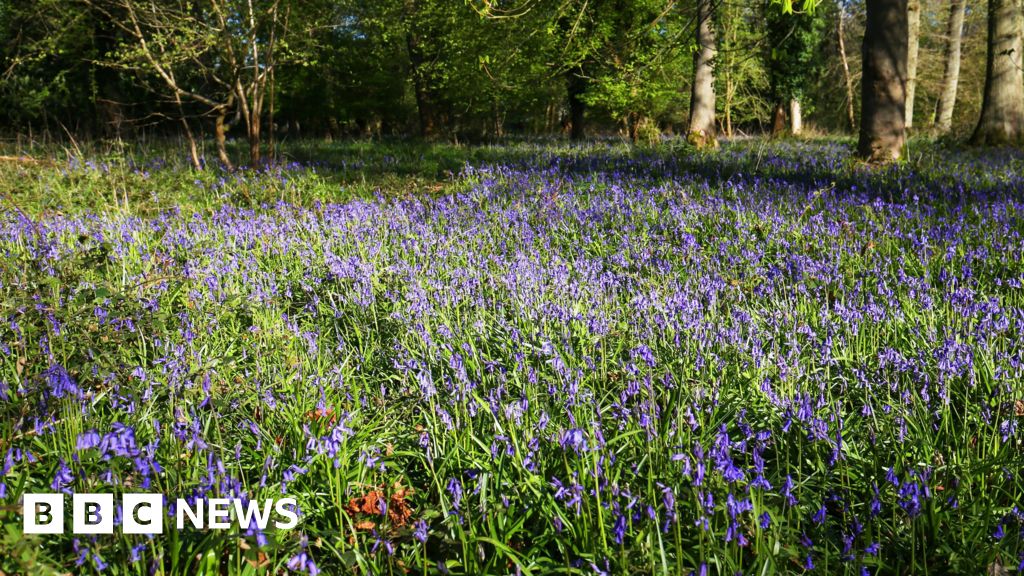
[{"x": 261, "y": 560}]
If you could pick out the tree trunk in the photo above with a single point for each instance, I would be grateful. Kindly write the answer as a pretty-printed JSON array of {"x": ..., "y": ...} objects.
[
  {"x": 109, "y": 111},
  {"x": 221, "y": 138},
  {"x": 428, "y": 126},
  {"x": 255, "y": 157},
  {"x": 730, "y": 64},
  {"x": 424, "y": 100},
  {"x": 577, "y": 107},
  {"x": 883, "y": 85},
  {"x": 951, "y": 75},
  {"x": 633, "y": 127},
  {"x": 702, "y": 96},
  {"x": 913, "y": 36},
  {"x": 778, "y": 120},
  {"x": 850, "y": 118},
  {"x": 424, "y": 105},
  {"x": 499, "y": 120},
  {"x": 272, "y": 140},
  {"x": 1002, "y": 108},
  {"x": 796, "y": 118},
  {"x": 193, "y": 149},
  {"x": 728, "y": 118}
]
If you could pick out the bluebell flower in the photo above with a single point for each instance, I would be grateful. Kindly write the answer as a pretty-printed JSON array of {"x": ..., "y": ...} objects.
[
  {"x": 62, "y": 478},
  {"x": 619, "y": 529},
  {"x": 420, "y": 532},
  {"x": 455, "y": 490}
]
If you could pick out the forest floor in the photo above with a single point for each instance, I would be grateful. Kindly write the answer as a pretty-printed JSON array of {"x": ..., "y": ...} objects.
[{"x": 532, "y": 358}]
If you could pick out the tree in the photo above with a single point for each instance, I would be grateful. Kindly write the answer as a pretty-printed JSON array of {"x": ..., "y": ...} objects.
[
  {"x": 473, "y": 66},
  {"x": 573, "y": 51},
  {"x": 847, "y": 79},
  {"x": 1002, "y": 108},
  {"x": 48, "y": 76},
  {"x": 951, "y": 73},
  {"x": 883, "y": 83},
  {"x": 577, "y": 90},
  {"x": 634, "y": 71},
  {"x": 743, "y": 87},
  {"x": 701, "y": 128},
  {"x": 217, "y": 54},
  {"x": 913, "y": 43},
  {"x": 791, "y": 61},
  {"x": 421, "y": 33},
  {"x": 355, "y": 78}
]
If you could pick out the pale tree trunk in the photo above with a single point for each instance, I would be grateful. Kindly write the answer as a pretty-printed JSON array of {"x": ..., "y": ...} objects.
[
  {"x": 913, "y": 39},
  {"x": 850, "y": 118},
  {"x": 1002, "y": 108},
  {"x": 883, "y": 84},
  {"x": 951, "y": 75},
  {"x": 702, "y": 97},
  {"x": 728, "y": 108},
  {"x": 796, "y": 118}
]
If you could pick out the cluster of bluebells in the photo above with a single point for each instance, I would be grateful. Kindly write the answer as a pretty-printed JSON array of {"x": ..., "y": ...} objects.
[{"x": 753, "y": 360}]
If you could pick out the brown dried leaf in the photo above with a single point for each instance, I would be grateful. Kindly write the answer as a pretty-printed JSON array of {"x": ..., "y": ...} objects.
[
  {"x": 369, "y": 504},
  {"x": 322, "y": 415},
  {"x": 261, "y": 561}
]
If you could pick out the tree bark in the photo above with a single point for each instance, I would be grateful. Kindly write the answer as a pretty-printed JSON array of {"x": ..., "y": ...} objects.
[
  {"x": 951, "y": 75},
  {"x": 577, "y": 86},
  {"x": 193, "y": 148},
  {"x": 729, "y": 91},
  {"x": 219, "y": 133},
  {"x": 883, "y": 85},
  {"x": 424, "y": 104},
  {"x": 796, "y": 118},
  {"x": 251, "y": 117},
  {"x": 633, "y": 127},
  {"x": 913, "y": 41},
  {"x": 255, "y": 157},
  {"x": 850, "y": 118},
  {"x": 1002, "y": 108},
  {"x": 417, "y": 59},
  {"x": 109, "y": 112},
  {"x": 272, "y": 139},
  {"x": 778, "y": 120},
  {"x": 702, "y": 96},
  {"x": 729, "y": 66}
]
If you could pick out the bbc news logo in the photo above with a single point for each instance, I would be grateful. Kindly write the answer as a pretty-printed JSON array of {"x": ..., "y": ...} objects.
[{"x": 144, "y": 514}]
